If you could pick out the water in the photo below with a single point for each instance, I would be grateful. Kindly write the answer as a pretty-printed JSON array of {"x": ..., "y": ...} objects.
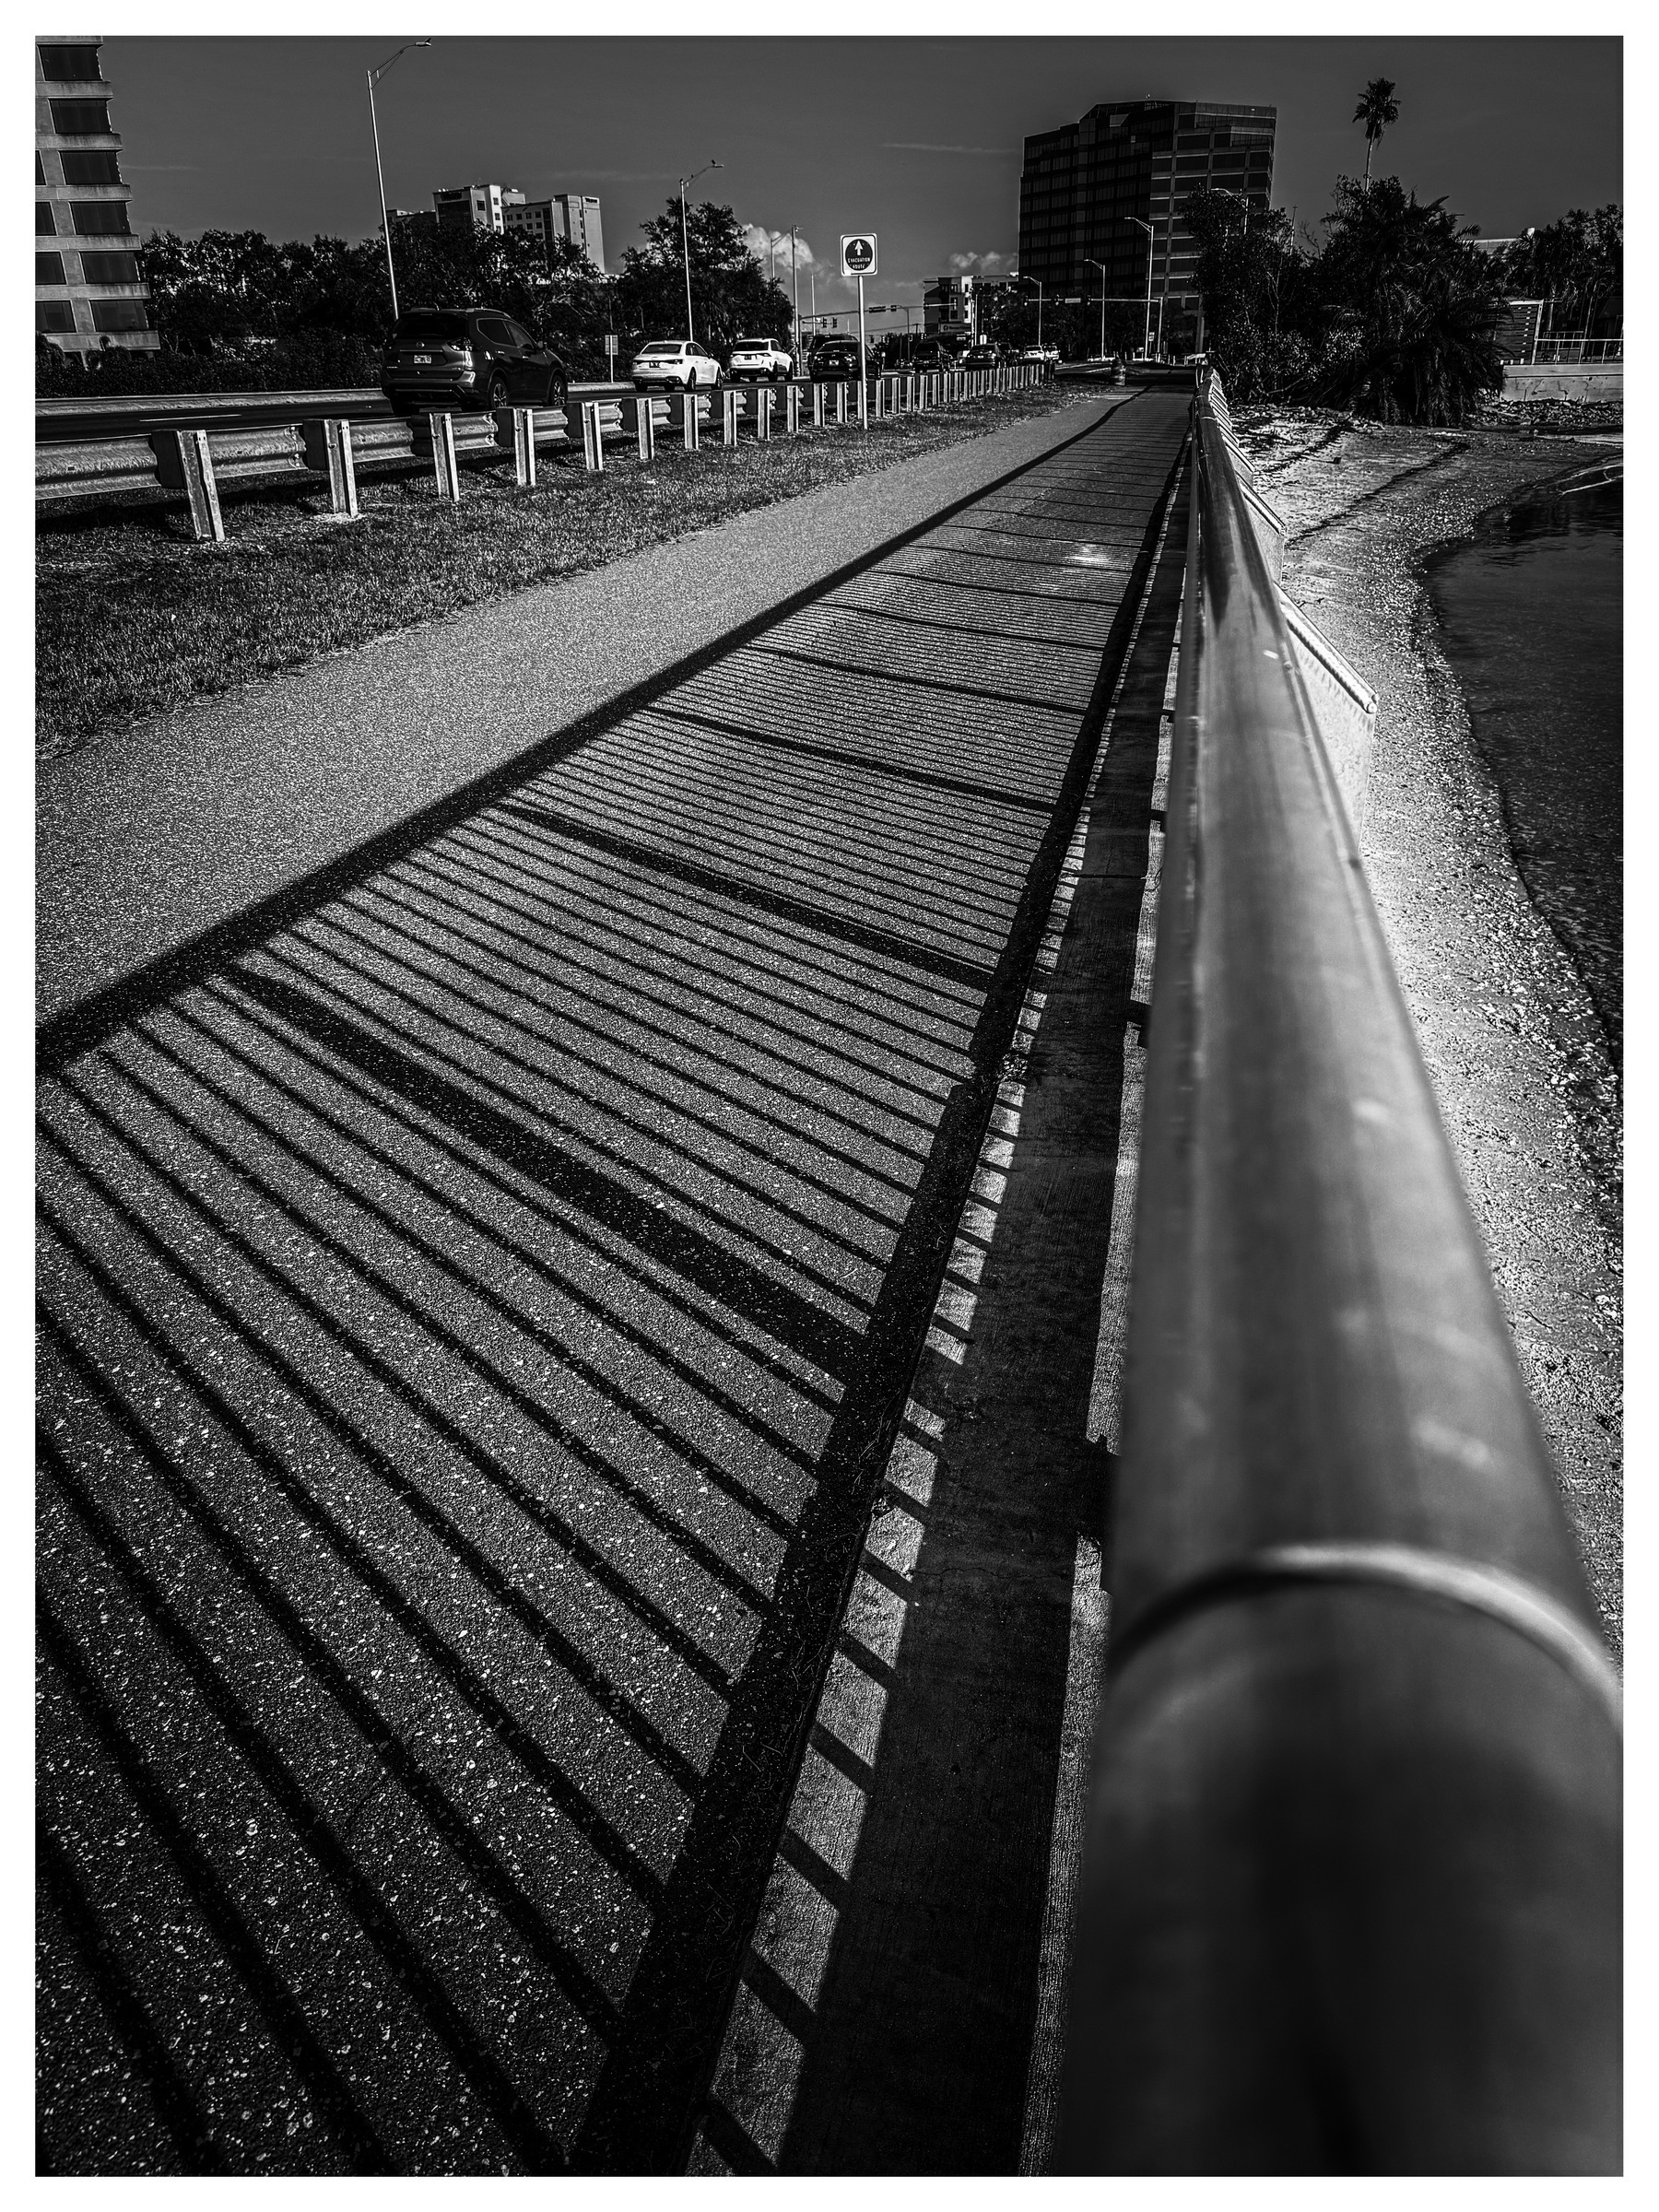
[{"x": 1532, "y": 619}]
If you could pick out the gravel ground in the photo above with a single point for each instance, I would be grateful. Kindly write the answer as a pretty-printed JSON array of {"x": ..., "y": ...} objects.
[{"x": 1520, "y": 1062}]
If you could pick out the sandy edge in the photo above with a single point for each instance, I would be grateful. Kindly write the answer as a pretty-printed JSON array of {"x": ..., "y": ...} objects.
[{"x": 1516, "y": 1055}]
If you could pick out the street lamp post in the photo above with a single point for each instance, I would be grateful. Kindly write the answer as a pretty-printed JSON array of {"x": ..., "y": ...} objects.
[
  {"x": 1147, "y": 329},
  {"x": 375, "y": 77},
  {"x": 794, "y": 293},
  {"x": 1102, "y": 266},
  {"x": 1038, "y": 282},
  {"x": 684, "y": 240}
]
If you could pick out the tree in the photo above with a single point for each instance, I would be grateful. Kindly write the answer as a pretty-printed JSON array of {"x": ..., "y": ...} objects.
[
  {"x": 1257, "y": 296},
  {"x": 1406, "y": 308},
  {"x": 730, "y": 295},
  {"x": 1577, "y": 264},
  {"x": 1378, "y": 108}
]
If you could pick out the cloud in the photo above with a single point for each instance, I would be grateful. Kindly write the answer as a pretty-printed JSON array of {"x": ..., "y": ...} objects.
[
  {"x": 757, "y": 237},
  {"x": 918, "y": 146},
  {"x": 981, "y": 265}
]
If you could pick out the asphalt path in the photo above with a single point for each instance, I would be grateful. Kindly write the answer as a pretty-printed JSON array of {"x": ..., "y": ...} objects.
[{"x": 479, "y": 1291}]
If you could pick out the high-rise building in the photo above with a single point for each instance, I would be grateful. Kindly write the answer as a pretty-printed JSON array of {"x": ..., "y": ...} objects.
[
  {"x": 573, "y": 215},
  {"x": 88, "y": 287},
  {"x": 1086, "y": 187}
]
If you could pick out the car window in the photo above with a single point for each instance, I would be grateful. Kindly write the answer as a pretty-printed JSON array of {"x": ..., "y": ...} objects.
[
  {"x": 519, "y": 335},
  {"x": 430, "y": 325},
  {"x": 493, "y": 330}
]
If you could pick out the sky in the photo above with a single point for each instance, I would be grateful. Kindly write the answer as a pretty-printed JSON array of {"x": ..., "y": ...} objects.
[{"x": 918, "y": 139}]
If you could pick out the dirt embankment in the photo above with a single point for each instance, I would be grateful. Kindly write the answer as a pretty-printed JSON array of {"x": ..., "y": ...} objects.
[{"x": 1519, "y": 1061}]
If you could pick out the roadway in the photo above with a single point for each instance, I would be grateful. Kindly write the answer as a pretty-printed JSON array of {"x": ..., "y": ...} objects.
[{"x": 480, "y": 1298}]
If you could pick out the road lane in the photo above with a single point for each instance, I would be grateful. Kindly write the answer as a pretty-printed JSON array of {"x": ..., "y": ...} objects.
[{"x": 476, "y": 1311}]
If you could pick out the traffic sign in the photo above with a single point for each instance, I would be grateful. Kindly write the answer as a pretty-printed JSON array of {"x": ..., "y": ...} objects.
[{"x": 858, "y": 253}]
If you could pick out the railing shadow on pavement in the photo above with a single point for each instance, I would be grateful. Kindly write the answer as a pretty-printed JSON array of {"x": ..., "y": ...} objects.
[{"x": 474, "y": 1313}]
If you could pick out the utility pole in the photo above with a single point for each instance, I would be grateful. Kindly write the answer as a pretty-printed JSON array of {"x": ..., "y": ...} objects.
[
  {"x": 375, "y": 77},
  {"x": 1102, "y": 266},
  {"x": 685, "y": 240},
  {"x": 794, "y": 293},
  {"x": 1147, "y": 331}
]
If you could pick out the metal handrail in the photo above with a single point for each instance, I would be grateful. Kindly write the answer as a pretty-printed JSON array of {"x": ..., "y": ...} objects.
[{"x": 1351, "y": 1892}]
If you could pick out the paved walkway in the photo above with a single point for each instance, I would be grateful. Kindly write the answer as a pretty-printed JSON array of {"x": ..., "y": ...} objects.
[
  {"x": 482, "y": 1288},
  {"x": 150, "y": 836}
]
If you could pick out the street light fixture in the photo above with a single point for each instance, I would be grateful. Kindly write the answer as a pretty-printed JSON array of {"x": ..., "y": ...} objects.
[
  {"x": 374, "y": 77},
  {"x": 684, "y": 241}
]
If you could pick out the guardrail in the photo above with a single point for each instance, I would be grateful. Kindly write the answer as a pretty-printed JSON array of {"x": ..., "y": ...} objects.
[
  {"x": 1351, "y": 1891},
  {"x": 208, "y": 463}
]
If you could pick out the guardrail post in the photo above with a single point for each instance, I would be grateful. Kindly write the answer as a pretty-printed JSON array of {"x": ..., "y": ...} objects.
[
  {"x": 593, "y": 439},
  {"x": 763, "y": 411},
  {"x": 791, "y": 410},
  {"x": 688, "y": 419},
  {"x": 841, "y": 404},
  {"x": 442, "y": 430},
  {"x": 327, "y": 440},
  {"x": 817, "y": 406},
  {"x": 644, "y": 427},
  {"x": 186, "y": 461},
  {"x": 515, "y": 427},
  {"x": 728, "y": 412}
]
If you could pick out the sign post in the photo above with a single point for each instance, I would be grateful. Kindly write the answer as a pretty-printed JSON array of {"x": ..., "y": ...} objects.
[{"x": 858, "y": 259}]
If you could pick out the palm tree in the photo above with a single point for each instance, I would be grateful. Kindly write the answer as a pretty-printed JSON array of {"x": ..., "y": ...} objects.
[{"x": 1378, "y": 108}]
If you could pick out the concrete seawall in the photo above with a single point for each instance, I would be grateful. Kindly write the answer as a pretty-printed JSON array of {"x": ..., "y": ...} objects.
[{"x": 1563, "y": 380}]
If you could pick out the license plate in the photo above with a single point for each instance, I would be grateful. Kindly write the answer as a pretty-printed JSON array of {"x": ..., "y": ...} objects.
[{"x": 423, "y": 360}]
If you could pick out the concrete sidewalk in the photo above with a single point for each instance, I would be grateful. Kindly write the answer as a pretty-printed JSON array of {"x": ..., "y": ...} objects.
[{"x": 151, "y": 836}]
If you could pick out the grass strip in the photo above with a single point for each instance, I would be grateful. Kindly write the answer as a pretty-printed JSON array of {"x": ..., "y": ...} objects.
[{"x": 133, "y": 619}]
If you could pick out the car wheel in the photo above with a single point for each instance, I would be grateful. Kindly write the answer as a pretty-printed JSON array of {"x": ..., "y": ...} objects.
[{"x": 499, "y": 393}]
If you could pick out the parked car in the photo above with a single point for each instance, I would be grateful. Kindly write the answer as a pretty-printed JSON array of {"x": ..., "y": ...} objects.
[
  {"x": 467, "y": 357},
  {"x": 674, "y": 364},
  {"x": 758, "y": 361},
  {"x": 1045, "y": 357},
  {"x": 982, "y": 356},
  {"x": 835, "y": 361}
]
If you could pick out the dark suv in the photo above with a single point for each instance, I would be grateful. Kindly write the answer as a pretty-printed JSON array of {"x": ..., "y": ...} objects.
[
  {"x": 447, "y": 358},
  {"x": 834, "y": 361}
]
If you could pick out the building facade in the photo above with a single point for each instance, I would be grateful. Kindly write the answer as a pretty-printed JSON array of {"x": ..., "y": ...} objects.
[
  {"x": 947, "y": 309},
  {"x": 87, "y": 286},
  {"x": 1092, "y": 192},
  {"x": 573, "y": 215},
  {"x": 503, "y": 207}
]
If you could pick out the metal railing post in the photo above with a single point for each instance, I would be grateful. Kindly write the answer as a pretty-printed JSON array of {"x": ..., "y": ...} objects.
[
  {"x": 817, "y": 406},
  {"x": 688, "y": 423},
  {"x": 763, "y": 411},
  {"x": 791, "y": 410},
  {"x": 644, "y": 427},
  {"x": 593, "y": 439},
  {"x": 728, "y": 417},
  {"x": 186, "y": 460},
  {"x": 441, "y": 428}
]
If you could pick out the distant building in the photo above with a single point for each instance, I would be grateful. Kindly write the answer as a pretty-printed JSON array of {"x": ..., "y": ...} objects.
[
  {"x": 1086, "y": 187},
  {"x": 503, "y": 207},
  {"x": 476, "y": 206},
  {"x": 573, "y": 215},
  {"x": 947, "y": 309},
  {"x": 88, "y": 287}
]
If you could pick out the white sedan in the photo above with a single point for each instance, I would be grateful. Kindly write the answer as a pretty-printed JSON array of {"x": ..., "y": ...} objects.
[
  {"x": 673, "y": 365},
  {"x": 758, "y": 359}
]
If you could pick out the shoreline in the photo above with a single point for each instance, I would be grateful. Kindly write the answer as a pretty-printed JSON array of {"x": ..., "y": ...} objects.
[{"x": 1517, "y": 1055}]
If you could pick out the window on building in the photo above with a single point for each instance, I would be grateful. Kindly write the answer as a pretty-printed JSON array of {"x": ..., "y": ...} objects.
[
  {"x": 119, "y": 314},
  {"x": 53, "y": 314},
  {"x": 70, "y": 64},
  {"x": 108, "y": 268},
  {"x": 45, "y": 224},
  {"x": 49, "y": 268},
  {"x": 80, "y": 118},
  {"x": 39, "y": 170},
  {"x": 101, "y": 218},
  {"x": 97, "y": 165}
]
